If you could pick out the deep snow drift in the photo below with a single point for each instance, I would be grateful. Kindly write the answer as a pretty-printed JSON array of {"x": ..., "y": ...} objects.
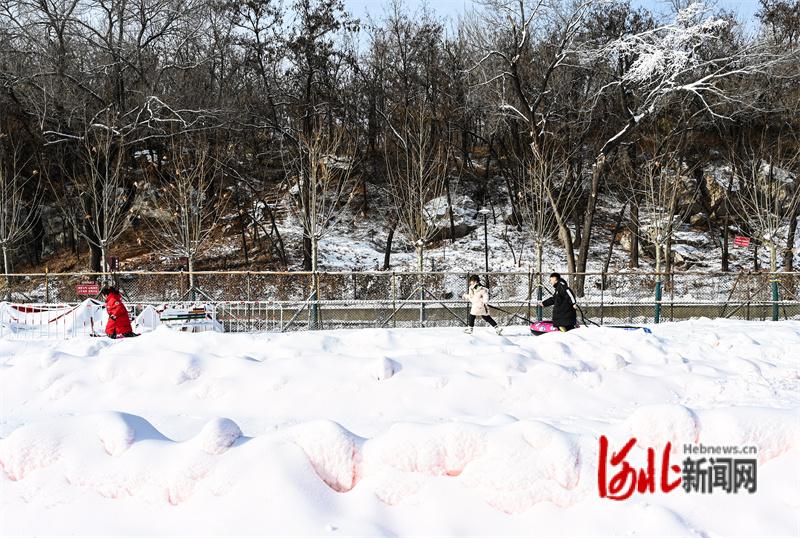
[{"x": 391, "y": 432}]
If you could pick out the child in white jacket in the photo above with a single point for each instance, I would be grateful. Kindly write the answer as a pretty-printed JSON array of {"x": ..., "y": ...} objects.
[{"x": 478, "y": 296}]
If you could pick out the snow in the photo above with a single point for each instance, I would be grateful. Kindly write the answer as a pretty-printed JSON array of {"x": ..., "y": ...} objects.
[
  {"x": 147, "y": 320},
  {"x": 464, "y": 210},
  {"x": 89, "y": 318},
  {"x": 391, "y": 432},
  {"x": 779, "y": 174},
  {"x": 86, "y": 318},
  {"x": 688, "y": 252}
]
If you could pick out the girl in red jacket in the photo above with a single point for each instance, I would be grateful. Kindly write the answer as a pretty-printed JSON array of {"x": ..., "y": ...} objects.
[{"x": 119, "y": 324}]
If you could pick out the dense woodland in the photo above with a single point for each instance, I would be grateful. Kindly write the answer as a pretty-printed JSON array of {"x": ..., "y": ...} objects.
[{"x": 168, "y": 124}]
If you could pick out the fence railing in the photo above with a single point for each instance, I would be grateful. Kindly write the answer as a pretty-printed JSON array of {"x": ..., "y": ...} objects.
[{"x": 270, "y": 301}]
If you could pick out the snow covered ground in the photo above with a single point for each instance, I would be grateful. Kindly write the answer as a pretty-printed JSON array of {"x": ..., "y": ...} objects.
[{"x": 392, "y": 432}]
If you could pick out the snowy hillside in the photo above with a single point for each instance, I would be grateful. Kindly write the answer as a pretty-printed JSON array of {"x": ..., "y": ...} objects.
[
  {"x": 392, "y": 432},
  {"x": 358, "y": 242}
]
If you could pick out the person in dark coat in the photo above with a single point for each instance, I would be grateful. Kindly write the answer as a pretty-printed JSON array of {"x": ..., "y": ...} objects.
[
  {"x": 563, "y": 303},
  {"x": 119, "y": 324}
]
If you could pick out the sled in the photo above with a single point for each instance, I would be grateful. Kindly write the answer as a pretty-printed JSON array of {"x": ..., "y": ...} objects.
[
  {"x": 539, "y": 328},
  {"x": 630, "y": 328},
  {"x": 546, "y": 326}
]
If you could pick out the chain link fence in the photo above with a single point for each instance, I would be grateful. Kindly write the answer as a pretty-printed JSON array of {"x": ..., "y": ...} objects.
[{"x": 271, "y": 301}]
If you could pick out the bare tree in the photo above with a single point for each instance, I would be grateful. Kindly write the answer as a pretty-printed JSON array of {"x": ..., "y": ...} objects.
[
  {"x": 191, "y": 189},
  {"x": 95, "y": 190},
  {"x": 767, "y": 198},
  {"x": 19, "y": 202},
  {"x": 321, "y": 180},
  {"x": 546, "y": 197},
  {"x": 660, "y": 186},
  {"x": 416, "y": 173}
]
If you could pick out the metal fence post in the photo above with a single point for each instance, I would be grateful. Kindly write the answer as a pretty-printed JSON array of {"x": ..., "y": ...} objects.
[
  {"x": 250, "y": 320},
  {"x": 314, "y": 321},
  {"x": 421, "y": 301},
  {"x": 672, "y": 296},
  {"x": 657, "y": 317},
  {"x": 46, "y": 285},
  {"x": 774, "y": 285},
  {"x": 394, "y": 298}
]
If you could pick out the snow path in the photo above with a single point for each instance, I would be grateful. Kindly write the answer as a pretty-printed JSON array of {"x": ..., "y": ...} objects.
[{"x": 391, "y": 432}]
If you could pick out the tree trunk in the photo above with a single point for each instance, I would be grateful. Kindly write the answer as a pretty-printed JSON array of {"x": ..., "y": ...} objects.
[
  {"x": 314, "y": 253},
  {"x": 588, "y": 220},
  {"x": 725, "y": 256},
  {"x": 633, "y": 263},
  {"x": 38, "y": 233},
  {"x": 658, "y": 261},
  {"x": 7, "y": 271},
  {"x": 450, "y": 211},
  {"x": 95, "y": 258},
  {"x": 539, "y": 261},
  {"x": 610, "y": 251},
  {"x": 773, "y": 257},
  {"x": 577, "y": 238},
  {"x": 365, "y": 198},
  {"x": 278, "y": 239},
  {"x": 190, "y": 263},
  {"x": 306, "y": 252},
  {"x": 788, "y": 253},
  {"x": 668, "y": 255},
  {"x": 388, "y": 252},
  {"x": 243, "y": 228},
  {"x": 565, "y": 235},
  {"x": 73, "y": 241},
  {"x": 755, "y": 257},
  {"x": 569, "y": 249}
]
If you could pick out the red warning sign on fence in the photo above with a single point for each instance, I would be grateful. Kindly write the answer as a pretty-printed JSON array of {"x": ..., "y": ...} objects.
[
  {"x": 741, "y": 241},
  {"x": 87, "y": 288}
]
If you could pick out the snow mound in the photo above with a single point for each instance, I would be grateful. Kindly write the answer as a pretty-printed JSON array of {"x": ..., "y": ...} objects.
[
  {"x": 28, "y": 449},
  {"x": 772, "y": 431},
  {"x": 525, "y": 464},
  {"x": 331, "y": 450},
  {"x": 116, "y": 432},
  {"x": 383, "y": 368},
  {"x": 218, "y": 435},
  {"x": 655, "y": 425},
  {"x": 434, "y": 450}
]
